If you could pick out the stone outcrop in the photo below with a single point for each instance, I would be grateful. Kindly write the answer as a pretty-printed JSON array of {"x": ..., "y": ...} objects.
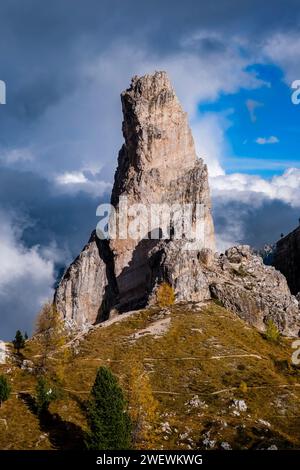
[
  {"x": 287, "y": 259},
  {"x": 238, "y": 280},
  {"x": 157, "y": 165},
  {"x": 256, "y": 292},
  {"x": 184, "y": 269},
  {"x": 3, "y": 352}
]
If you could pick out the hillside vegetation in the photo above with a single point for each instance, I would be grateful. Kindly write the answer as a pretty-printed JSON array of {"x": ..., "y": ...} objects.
[{"x": 212, "y": 382}]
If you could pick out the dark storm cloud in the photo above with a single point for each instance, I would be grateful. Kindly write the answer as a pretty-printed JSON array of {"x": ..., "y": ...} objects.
[
  {"x": 48, "y": 230},
  {"x": 42, "y": 44},
  {"x": 66, "y": 219},
  {"x": 253, "y": 224}
]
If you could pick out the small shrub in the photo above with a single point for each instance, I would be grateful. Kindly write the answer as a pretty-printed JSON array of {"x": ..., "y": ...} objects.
[
  {"x": 272, "y": 333},
  {"x": 243, "y": 387},
  {"x": 5, "y": 389},
  {"x": 218, "y": 302},
  {"x": 165, "y": 295},
  {"x": 284, "y": 366}
]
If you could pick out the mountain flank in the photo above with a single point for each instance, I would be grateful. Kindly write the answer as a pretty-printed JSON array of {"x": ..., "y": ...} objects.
[{"x": 218, "y": 382}]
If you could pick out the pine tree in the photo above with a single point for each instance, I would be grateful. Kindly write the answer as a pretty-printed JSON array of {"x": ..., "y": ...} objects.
[
  {"x": 109, "y": 423},
  {"x": 45, "y": 394},
  {"x": 5, "y": 389},
  {"x": 19, "y": 341}
]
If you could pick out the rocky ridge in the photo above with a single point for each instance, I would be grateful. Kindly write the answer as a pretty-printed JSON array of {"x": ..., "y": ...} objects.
[{"x": 245, "y": 285}]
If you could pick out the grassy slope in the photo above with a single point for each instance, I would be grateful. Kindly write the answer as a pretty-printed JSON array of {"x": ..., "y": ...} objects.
[{"x": 205, "y": 352}]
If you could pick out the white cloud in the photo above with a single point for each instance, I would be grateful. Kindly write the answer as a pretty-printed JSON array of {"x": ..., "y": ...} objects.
[
  {"x": 251, "y": 208},
  {"x": 26, "y": 278},
  {"x": 87, "y": 181},
  {"x": 210, "y": 142},
  {"x": 285, "y": 187},
  {"x": 283, "y": 49},
  {"x": 267, "y": 140},
  {"x": 196, "y": 78},
  {"x": 75, "y": 177}
]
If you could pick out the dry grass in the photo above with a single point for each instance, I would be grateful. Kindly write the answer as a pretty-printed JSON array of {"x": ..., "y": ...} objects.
[{"x": 206, "y": 352}]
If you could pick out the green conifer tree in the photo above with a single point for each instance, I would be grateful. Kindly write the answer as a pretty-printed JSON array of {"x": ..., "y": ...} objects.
[
  {"x": 109, "y": 423},
  {"x": 19, "y": 341},
  {"x": 45, "y": 394},
  {"x": 5, "y": 389}
]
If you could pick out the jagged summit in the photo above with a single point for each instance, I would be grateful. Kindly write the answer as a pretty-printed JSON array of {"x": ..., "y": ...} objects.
[
  {"x": 158, "y": 146},
  {"x": 150, "y": 86}
]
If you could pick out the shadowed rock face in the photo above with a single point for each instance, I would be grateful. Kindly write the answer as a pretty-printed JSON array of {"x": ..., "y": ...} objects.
[
  {"x": 287, "y": 259},
  {"x": 88, "y": 288},
  {"x": 157, "y": 164}
]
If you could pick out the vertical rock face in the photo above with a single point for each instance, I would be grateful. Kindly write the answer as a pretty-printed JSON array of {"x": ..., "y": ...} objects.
[
  {"x": 156, "y": 165},
  {"x": 81, "y": 291},
  {"x": 158, "y": 146},
  {"x": 287, "y": 259}
]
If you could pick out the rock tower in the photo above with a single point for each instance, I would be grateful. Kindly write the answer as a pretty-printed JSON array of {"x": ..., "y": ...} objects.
[{"x": 157, "y": 165}]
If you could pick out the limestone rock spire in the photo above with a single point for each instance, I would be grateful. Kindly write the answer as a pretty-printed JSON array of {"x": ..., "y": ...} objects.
[{"x": 157, "y": 164}]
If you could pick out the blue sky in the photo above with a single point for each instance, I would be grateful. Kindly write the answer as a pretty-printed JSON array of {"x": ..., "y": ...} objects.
[{"x": 274, "y": 115}]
